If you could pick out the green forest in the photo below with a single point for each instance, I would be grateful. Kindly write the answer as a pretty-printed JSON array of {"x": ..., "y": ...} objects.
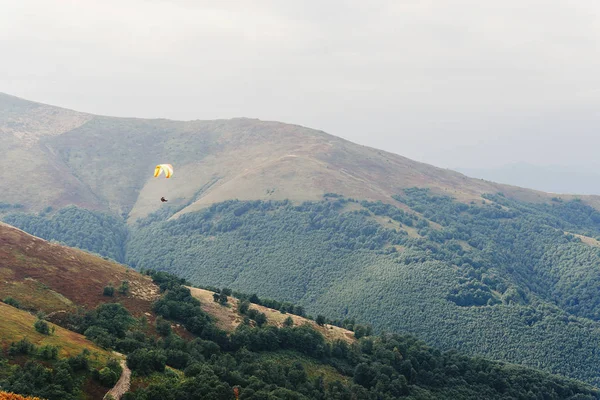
[
  {"x": 293, "y": 362},
  {"x": 508, "y": 280},
  {"x": 100, "y": 233},
  {"x": 38, "y": 371}
]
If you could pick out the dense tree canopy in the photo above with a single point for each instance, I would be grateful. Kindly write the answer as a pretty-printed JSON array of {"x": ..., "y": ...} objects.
[{"x": 506, "y": 279}]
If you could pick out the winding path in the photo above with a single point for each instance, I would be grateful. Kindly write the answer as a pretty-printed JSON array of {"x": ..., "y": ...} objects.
[{"x": 122, "y": 385}]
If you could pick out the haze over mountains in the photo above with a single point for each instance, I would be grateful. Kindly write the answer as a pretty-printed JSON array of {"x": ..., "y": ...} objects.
[
  {"x": 299, "y": 215},
  {"x": 554, "y": 179}
]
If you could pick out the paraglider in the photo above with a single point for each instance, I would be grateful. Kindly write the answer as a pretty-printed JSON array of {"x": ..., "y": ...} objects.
[
  {"x": 168, "y": 171},
  {"x": 166, "y": 168}
]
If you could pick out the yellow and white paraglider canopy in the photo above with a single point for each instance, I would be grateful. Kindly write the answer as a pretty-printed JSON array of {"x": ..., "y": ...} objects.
[{"x": 166, "y": 168}]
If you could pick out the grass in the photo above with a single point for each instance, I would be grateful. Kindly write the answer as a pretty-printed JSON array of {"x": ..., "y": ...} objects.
[
  {"x": 214, "y": 161},
  {"x": 34, "y": 295},
  {"x": 228, "y": 318},
  {"x": 313, "y": 368},
  {"x": 586, "y": 239},
  {"x": 49, "y": 277},
  {"x": 18, "y": 324}
]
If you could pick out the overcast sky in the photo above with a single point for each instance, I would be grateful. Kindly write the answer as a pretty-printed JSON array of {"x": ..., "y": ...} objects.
[{"x": 455, "y": 83}]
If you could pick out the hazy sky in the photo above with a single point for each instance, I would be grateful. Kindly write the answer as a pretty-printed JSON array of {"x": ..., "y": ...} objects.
[{"x": 456, "y": 83}]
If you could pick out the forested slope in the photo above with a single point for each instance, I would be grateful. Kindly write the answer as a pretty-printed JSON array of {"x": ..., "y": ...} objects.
[
  {"x": 510, "y": 280},
  {"x": 176, "y": 350}
]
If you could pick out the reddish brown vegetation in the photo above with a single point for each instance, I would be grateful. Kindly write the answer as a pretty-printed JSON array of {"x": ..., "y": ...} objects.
[
  {"x": 78, "y": 276},
  {"x": 12, "y": 396}
]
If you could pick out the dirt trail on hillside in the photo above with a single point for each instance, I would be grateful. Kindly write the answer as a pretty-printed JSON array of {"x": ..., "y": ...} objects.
[{"x": 122, "y": 385}]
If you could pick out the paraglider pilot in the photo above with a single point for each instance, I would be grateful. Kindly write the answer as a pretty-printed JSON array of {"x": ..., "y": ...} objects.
[{"x": 168, "y": 170}]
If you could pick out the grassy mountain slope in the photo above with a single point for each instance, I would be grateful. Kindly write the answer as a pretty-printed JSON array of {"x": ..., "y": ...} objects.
[
  {"x": 49, "y": 277},
  {"x": 18, "y": 324},
  {"x": 229, "y": 318},
  {"x": 34, "y": 175},
  {"x": 60, "y": 156}
]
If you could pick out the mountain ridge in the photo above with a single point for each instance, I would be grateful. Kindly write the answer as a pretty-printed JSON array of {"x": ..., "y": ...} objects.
[{"x": 105, "y": 163}]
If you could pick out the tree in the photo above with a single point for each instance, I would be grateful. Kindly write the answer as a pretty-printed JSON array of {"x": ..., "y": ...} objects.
[
  {"x": 216, "y": 297},
  {"x": 124, "y": 288},
  {"x": 288, "y": 322},
  {"x": 108, "y": 377},
  {"x": 226, "y": 291},
  {"x": 223, "y": 298},
  {"x": 360, "y": 331},
  {"x": 109, "y": 291},
  {"x": 42, "y": 327},
  {"x": 320, "y": 320},
  {"x": 244, "y": 306},
  {"x": 254, "y": 299},
  {"x": 364, "y": 375},
  {"x": 260, "y": 319},
  {"x": 145, "y": 361},
  {"x": 163, "y": 327},
  {"x": 298, "y": 310},
  {"x": 48, "y": 352},
  {"x": 11, "y": 302}
]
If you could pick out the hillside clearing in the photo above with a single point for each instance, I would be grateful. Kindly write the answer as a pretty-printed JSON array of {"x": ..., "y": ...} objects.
[
  {"x": 18, "y": 324},
  {"x": 228, "y": 317}
]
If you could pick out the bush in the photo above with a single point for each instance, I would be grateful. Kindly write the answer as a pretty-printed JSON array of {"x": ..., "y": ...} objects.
[
  {"x": 260, "y": 319},
  {"x": 23, "y": 346},
  {"x": 163, "y": 327},
  {"x": 244, "y": 306},
  {"x": 80, "y": 362},
  {"x": 144, "y": 361},
  {"x": 109, "y": 291},
  {"x": 42, "y": 327},
  {"x": 124, "y": 288},
  {"x": 108, "y": 377},
  {"x": 48, "y": 352},
  {"x": 11, "y": 302}
]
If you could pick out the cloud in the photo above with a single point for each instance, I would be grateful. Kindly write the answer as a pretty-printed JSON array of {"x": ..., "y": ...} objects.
[{"x": 434, "y": 80}]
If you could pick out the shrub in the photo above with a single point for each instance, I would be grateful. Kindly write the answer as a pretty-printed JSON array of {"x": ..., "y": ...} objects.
[
  {"x": 48, "y": 352},
  {"x": 42, "y": 327},
  {"x": 108, "y": 377},
  {"x": 11, "y": 302},
  {"x": 23, "y": 346},
  {"x": 109, "y": 291},
  {"x": 124, "y": 288},
  {"x": 163, "y": 327}
]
